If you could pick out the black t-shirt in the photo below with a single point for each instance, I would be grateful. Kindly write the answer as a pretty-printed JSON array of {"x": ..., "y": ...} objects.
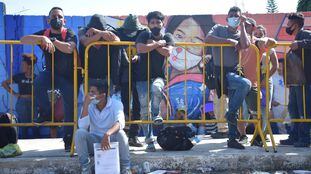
[
  {"x": 156, "y": 59},
  {"x": 63, "y": 62},
  {"x": 304, "y": 41},
  {"x": 24, "y": 83},
  {"x": 98, "y": 60},
  {"x": 124, "y": 70}
]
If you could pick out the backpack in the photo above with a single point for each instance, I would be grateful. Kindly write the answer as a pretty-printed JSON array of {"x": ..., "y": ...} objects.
[
  {"x": 175, "y": 138},
  {"x": 8, "y": 135}
]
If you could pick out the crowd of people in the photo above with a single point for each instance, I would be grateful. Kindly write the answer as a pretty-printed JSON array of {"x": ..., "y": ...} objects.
[{"x": 155, "y": 67}]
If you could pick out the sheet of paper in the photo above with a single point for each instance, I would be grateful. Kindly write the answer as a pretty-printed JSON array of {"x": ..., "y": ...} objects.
[{"x": 107, "y": 161}]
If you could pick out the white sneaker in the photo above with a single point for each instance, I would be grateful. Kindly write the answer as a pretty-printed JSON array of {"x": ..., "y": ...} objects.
[{"x": 158, "y": 120}]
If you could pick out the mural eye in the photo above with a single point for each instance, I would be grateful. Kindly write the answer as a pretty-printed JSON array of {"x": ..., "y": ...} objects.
[{"x": 178, "y": 36}]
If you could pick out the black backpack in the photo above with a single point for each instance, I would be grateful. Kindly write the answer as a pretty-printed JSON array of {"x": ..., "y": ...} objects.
[
  {"x": 8, "y": 135},
  {"x": 175, "y": 138}
]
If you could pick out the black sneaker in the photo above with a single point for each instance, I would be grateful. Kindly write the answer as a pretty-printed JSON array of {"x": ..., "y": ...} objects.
[
  {"x": 135, "y": 142},
  {"x": 219, "y": 135},
  {"x": 243, "y": 139},
  {"x": 67, "y": 141},
  {"x": 301, "y": 144},
  {"x": 287, "y": 142},
  {"x": 257, "y": 142},
  {"x": 232, "y": 143}
]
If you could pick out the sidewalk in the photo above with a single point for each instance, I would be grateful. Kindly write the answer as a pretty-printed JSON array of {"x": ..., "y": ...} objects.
[{"x": 210, "y": 155}]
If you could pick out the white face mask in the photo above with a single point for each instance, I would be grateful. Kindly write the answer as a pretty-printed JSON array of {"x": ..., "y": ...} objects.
[
  {"x": 95, "y": 101},
  {"x": 234, "y": 22},
  {"x": 177, "y": 59}
]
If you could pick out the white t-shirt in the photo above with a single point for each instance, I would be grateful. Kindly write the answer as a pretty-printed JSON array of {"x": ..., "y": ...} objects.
[{"x": 279, "y": 89}]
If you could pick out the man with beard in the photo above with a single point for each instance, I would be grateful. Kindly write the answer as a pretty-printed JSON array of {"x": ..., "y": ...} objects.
[
  {"x": 62, "y": 42},
  {"x": 152, "y": 47}
]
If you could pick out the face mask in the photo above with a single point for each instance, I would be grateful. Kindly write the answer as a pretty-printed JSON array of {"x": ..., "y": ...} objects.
[
  {"x": 155, "y": 31},
  {"x": 177, "y": 59},
  {"x": 289, "y": 30},
  {"x": 95, "y": 101},
  {"x": 56, "y": 23},
  {"x": 233, "y": 22},
  {"x": 132, "y": 34}
]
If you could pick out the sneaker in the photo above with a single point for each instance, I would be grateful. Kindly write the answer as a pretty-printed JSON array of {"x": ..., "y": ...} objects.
[
  {"x": 257, "y": 142},
  {"x": 301, "y": 144},
  {"x": 158, "y": 120},
  {"x": 150, "y": 147},
  {"x": 243, "y": 139},
  {"x": 135, "y": 142},
  {"x": 234, "y": 144},
  {"x": 67, "y": 142},
  {"x": 219, "y": 135},
  {"x": 287, "y": 142},
  {"x": 86, "y": 169}
]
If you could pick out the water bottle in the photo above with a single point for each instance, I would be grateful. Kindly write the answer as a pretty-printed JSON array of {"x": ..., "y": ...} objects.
[
  {"x": 146, "y": 167},
  {"x": 195, "y": 140}
]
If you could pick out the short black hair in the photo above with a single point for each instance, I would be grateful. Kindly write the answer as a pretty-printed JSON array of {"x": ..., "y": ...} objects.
[
  {"x": 28, "y": 59},
  {"x": 234, "y": 9},
  {"x": 155, "y": 15},
  {"x": 55, "y": 8},
  {"x": 297, "y": 18},
  {"x": 101, "y": 85}
]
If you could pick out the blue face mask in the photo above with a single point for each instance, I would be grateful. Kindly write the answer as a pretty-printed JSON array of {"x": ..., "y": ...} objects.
[{"x": 234, "y": 22}]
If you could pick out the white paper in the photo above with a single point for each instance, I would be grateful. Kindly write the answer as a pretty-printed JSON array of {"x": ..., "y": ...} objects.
[
  {"x": 158, "y": 172},
  {"x": 107, "y": 161}
]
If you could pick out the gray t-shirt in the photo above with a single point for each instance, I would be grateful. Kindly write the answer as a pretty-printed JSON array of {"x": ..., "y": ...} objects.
[{"x": 230, "y": 55}]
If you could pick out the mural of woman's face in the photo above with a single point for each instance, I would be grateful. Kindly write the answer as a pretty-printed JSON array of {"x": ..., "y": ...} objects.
[
  {"x": 187, "y": 31},
  {"x": 190, "y": 31}
]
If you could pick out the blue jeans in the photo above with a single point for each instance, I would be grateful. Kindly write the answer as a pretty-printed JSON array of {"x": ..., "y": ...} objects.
[
  {"x": 263, "y": 107},
  {"x": 156, "y": 90},
  {"x": 85, "y": 146},
  {"x": 299, "y": 131},
  {"x": 23, "y": 110},
  {"x": 43, "y": 83},
  {"x": 238, "y": 88}
]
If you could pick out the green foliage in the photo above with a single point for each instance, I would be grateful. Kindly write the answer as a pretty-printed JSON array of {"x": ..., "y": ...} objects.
[
  {"x": 272, "y": 6},
  {"x": 304, "y": 5}
]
